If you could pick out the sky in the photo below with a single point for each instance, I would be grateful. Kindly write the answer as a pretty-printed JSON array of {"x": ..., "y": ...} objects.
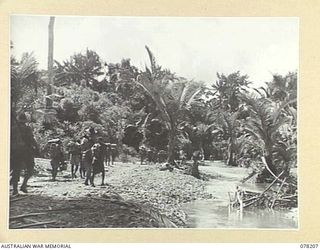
[{"x": 193, "y": 47}]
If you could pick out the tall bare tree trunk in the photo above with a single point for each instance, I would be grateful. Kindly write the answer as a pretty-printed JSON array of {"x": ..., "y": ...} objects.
[{"x": 50, "y": 61}]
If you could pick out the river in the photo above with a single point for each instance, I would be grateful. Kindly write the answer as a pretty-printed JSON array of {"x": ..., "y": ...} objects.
[{"x": 215, "y": 213}]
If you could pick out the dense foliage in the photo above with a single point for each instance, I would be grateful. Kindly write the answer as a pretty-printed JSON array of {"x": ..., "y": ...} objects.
[{"x": 161, "y": 111}]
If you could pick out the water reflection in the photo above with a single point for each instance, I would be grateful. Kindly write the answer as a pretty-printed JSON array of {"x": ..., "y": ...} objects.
[{"x": 216, "y": 213}]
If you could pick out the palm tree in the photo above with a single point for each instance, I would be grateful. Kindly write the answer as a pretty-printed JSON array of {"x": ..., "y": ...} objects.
[
  {"x": 24, "y": 76},
  {"x": 198, "y": 134},
  {"x": 228, "y": 88},
  {"x": 263, "y": 124},
  {"x": 171, "y": 95},
  {"x": 230, "y": 124},
  {"x": 80, "y": 68},
  {"x": 226, "y": 107},
  {"x": 283, "y": 87}
]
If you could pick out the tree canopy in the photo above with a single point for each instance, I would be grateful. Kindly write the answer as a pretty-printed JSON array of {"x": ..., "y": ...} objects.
[{"x": 160, "y": 110}]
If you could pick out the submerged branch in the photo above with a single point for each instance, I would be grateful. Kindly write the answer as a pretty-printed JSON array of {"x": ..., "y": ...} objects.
[{"x": 261, "y": 195}]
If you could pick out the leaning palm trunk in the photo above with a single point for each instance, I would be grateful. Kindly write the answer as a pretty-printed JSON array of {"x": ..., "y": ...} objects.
[
  {"x": 270, "y": 170},
  {"x": 269, "y": 158},
  {"x": 270, "y": 165}
]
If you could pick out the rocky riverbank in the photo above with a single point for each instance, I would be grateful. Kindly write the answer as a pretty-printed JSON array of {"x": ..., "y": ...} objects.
[{"x": 135, "y": 196}]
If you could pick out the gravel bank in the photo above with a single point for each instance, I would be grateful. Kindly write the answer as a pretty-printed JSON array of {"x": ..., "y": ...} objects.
[{"x": 156, "y": 195}]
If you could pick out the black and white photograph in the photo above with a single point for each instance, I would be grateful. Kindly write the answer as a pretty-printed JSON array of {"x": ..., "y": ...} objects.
[{"x": 153, "y": 122}]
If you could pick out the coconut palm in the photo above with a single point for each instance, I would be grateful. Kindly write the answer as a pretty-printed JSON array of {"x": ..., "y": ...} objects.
[
  {"x": 172, "y": 95},
  {"x": 24, "y": 76},
  {"x": 228, "y": 88},
  {"x": 198, "y": 134},
  {"x": 264, "y": 123},
  {"x": 281, "y": 88},
  {"x": 80, "y": 68},
  {"x": 228, "y": 123}
]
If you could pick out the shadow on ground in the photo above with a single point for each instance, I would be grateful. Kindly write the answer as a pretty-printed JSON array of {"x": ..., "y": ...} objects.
[{"x": 34, "y": 211}]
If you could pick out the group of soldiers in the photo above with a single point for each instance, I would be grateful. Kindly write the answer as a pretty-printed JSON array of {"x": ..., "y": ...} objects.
[
  {"x": 151, "y": 155},
  {"x": 87, "y": 155}
]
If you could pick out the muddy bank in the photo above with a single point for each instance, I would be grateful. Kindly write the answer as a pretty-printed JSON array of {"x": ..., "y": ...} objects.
[{"x": 135, "y": 196}]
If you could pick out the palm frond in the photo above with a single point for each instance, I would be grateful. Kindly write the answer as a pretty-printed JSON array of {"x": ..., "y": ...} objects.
[
  {"x": 183, "y": 94},
  {"x": 152, "y": 60},
  {"x": 192, "y": 97},
  {"x": 282, "y": 106}
]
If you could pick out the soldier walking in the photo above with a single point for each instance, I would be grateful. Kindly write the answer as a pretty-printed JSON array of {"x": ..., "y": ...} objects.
[
  {"x": 86, "y": 154},
  {"x": 56, "y": 155},
  {"x": 75, "y": 156},
  {"x": 98, "y": 155},
  {"x": 23, "y": 150}
]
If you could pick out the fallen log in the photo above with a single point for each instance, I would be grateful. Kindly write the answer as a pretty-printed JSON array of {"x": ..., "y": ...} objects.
[
  {"x": 261, "y": 195},
  {"x": 281, "y": 199},
  {"x": 34, "y": 224},
  {"x": 250, "y": 199},
  {"x": 251, "y": 193},
  {"x": 161, "y": 218},
  {"x": 277, "y": 195},
  {"x": 25, "y": 215},
  {"x": 290, "y": 196},
  {"x": 19, "y": 199},
  {"x": 249, "y": 176},
  {"x": 64, "y": 208}
]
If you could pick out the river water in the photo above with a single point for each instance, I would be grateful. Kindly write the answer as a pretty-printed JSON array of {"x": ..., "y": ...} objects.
[{"x": 215, "y": 213}]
